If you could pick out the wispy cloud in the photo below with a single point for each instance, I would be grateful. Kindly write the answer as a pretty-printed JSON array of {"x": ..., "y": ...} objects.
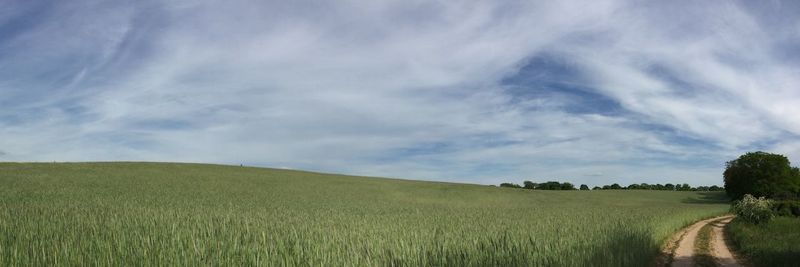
[{"x": 480, "y": 92}]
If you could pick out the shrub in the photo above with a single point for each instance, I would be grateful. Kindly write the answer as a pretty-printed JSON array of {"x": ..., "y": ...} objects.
[
  {"x": 786, "y": 208},
  {"x": 753, "y": 210}
]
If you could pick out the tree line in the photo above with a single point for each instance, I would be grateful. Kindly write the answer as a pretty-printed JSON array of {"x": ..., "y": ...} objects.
[
  {"x": 553, "y": 185},
  {"x": 550, "y": 185},
  {"x": 664, "y": 187}
]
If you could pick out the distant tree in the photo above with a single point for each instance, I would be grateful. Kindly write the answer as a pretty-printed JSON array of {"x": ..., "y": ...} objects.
[
  {"x": 761, "y": 174},
  {"x": 683, "y": 187},
  {"x": 511, "y": 185},
  {"x": 585, "y": 187},
  {"x": 550, "y": 185},
  {"x": 670, "y": 187},
  {"x": 567, "y": 186}
]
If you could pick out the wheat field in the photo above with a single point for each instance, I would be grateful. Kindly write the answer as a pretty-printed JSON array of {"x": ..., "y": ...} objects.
[{"x": 56, "y": 214}]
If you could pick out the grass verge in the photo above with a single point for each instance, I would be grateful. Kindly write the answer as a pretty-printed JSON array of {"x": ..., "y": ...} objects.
[{"x": 776, "y": 243}]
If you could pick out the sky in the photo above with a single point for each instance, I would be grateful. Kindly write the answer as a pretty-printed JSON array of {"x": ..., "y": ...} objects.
[{"x": 593, "y": 92}]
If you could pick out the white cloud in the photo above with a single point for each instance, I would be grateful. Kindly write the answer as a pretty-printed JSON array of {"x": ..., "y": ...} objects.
[{"x": 411, "y": 88}]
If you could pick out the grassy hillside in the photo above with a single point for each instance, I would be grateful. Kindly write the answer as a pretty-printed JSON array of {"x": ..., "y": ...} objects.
[{"x": 190, "y": 214}]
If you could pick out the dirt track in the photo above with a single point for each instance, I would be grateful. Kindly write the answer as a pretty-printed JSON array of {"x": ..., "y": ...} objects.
[
  {"x": 684, "y": 252},
  {"x": 720, "y": 250}
]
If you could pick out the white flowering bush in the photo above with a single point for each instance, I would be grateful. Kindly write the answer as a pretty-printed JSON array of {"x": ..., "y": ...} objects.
[{"x": 754, "y": 210}]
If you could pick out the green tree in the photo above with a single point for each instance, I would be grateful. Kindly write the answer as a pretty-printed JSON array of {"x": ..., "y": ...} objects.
[
  {"x": 615, "y": 186},
  {"x": 529, "y": 185},
  {"x": 683, "y": 187},
  {"x": 550, "y": 185},
  {"x": 584, "y": 187},
  {"x": 761, "y": 174},
  {"x": 511, "y": 185},
  {"x": 567, "y": 186}
]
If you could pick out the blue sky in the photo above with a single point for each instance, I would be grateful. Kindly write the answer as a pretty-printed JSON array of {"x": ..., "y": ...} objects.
[{"x": 591, "y": 92}]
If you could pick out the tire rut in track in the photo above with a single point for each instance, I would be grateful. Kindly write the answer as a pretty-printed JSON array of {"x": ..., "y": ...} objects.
[{"x": 683, "y": 256}]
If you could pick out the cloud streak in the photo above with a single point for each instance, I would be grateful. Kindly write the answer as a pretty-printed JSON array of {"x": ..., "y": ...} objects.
[{"x": 473, "y": 92}]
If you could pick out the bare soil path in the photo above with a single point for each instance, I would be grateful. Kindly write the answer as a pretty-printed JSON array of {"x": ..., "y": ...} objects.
[
  {"x": 684, "y": 252},
  {"x": 719, "y": 249}
]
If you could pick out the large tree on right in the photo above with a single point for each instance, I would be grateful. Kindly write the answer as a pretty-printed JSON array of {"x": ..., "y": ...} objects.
[{"x": 761, "y": 174}]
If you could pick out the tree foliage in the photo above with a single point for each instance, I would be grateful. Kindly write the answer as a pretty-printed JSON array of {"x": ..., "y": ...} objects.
[
  {"x": 761, "y": 174},
  {"x": 529, "y": 185},
  {"x": 668, "y": 187},
  {"x": 683, "y": 187},
  {"x": 786, "y": 208},
  {"x": 511, "y": 185},
  {"x": 554, "y": 185},
  {"x": 567, "y": 186},
  {"x": 550, "y": 185}
]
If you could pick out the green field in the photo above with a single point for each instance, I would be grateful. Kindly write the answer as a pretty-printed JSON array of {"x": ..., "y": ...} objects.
[
  {"x": 192, "y": 214},
  {"x": 776, "y": 243}
]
